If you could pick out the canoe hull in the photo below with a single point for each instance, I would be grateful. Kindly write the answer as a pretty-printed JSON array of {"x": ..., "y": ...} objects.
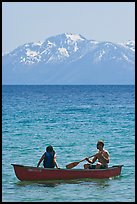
[{"x": 28, "y": 173}]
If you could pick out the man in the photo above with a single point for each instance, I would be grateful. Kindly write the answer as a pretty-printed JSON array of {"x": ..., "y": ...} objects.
[
  {"x": 49, "y": 158},
  {"x": 102, "y": 156}
]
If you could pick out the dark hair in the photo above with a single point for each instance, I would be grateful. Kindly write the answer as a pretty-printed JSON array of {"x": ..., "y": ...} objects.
[
  {"x": 49, "y": 148},
  {"x": 101, "y": 142}
]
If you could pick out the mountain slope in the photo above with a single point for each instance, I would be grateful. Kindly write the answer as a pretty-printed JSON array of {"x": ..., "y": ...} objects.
[{"x": 70, "y": 59}]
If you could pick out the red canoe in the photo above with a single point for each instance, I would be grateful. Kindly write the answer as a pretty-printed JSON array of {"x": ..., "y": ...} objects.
[{"x": 28, "y": 173}]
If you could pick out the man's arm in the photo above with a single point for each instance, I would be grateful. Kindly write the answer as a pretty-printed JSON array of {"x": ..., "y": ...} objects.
[{"x": 93, "y": 160}]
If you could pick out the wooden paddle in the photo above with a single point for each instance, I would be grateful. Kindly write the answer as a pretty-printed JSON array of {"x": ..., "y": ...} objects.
[{"x": 73, "y": 164}]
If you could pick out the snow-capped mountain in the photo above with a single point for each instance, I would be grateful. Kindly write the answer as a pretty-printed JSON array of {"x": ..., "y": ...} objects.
[{"x": 70, "y": 59}]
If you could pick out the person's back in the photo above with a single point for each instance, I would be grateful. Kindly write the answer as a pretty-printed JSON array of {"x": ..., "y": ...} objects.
[{"x": 49, "y": 160}]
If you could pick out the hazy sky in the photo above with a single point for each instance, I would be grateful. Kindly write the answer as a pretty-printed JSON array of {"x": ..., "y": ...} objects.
[{"x": 24, "y": 22}]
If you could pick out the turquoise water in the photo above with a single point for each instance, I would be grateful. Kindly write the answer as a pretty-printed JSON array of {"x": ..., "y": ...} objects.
[{"x": 72, "y": 119}]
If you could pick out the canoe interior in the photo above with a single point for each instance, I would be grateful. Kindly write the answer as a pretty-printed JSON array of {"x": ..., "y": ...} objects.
[{"x": 24, "y": 166}]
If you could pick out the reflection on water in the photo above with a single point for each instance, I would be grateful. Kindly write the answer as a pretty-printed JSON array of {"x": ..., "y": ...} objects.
[
  {"x": 54, "y": 183},
  {"x": 37, "y": 183}
]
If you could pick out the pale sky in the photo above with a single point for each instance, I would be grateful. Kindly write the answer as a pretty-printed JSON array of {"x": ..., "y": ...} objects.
[{"x": 24, "y": 22}]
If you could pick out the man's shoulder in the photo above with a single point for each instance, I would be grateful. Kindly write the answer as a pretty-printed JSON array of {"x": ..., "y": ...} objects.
[{"x": 106, "y": 151}]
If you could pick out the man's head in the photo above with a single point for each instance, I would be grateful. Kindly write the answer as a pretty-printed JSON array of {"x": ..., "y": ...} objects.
[{"x": 100, "y": 144}]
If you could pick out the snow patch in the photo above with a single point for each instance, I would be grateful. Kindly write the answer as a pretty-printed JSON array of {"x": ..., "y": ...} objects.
[
  {"x": 44, "y": 51},
  {"x": 74, "y": 37},
  {"x": 51, "y": 44},
  {"x": 26, "y": 45},
  {"x": 22, "y": 59},
  {"x": 94, "y": 42},
  {"x": 75, "y": 48},
  {"x": 31, "y": 53},
  {"x": 127, "y": 59},
  {"x": 101, "y": 54},
  {"x": 63, "y": 51},
  {"x": 129, "y": 44},
  {"x": 39, "y": 43}
]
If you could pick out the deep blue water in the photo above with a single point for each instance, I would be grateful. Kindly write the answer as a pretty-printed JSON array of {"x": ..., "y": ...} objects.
[{"x": 72, "y": 119}]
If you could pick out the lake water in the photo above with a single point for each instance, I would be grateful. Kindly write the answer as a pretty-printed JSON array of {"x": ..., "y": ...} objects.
[{"x": 71, "y": 119}]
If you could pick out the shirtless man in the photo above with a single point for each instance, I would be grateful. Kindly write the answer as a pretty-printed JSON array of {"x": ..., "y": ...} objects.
[{"x": 102, "y": 155}]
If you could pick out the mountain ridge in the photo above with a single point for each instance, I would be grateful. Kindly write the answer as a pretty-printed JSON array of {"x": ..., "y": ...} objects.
[{"x": 70, "y": 59}]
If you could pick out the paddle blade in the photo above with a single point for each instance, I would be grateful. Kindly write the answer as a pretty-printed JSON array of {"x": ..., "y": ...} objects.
[{"x": 71, "y": 165}]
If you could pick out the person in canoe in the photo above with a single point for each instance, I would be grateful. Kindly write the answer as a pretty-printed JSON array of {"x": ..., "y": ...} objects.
[
  {"x": 49, "y": 158},
  {"x": 102, "y": 156}
]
